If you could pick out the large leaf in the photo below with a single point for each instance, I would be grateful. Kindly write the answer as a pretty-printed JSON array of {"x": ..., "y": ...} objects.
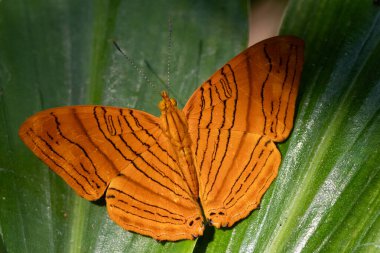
[{"x": 53, "y": 53}]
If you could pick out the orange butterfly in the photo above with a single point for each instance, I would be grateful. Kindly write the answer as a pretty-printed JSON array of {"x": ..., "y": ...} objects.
[{"x": 218, "y": 154}]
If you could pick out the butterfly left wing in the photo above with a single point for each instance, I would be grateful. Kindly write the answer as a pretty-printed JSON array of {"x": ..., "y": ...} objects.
[
  {"x": 96, "y": 147},
  {"x": 234, "y": 119}
]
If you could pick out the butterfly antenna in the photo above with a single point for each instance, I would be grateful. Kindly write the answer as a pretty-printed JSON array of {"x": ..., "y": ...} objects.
[
  {"x": 169, "y": 49},
  {"x": 198, "y": 64},
  {"x": 139, "y": 70}
]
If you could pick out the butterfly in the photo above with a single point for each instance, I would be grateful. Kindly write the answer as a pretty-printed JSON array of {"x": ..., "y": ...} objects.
[{"x": 164, "y": 177}]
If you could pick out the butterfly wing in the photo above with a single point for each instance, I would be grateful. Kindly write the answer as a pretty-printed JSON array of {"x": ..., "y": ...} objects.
[
  {"x": 234, "y": 119},
  {"x": 95, "y": 147},
  {"x": 85, "y": 145},
  {"x": 151, "y": 197}
]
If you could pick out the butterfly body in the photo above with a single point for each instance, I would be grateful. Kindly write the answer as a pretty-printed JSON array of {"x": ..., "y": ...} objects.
[
  {"x": 216, "y": 156},
  {"x": 174, "y": 127}
]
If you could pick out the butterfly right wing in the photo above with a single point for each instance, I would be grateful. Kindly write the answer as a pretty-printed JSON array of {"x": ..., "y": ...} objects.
[{"x": 234, "y": 120}]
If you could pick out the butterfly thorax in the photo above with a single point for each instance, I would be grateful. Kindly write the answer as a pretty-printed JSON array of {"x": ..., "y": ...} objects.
[{"x": 174, "y": 126}]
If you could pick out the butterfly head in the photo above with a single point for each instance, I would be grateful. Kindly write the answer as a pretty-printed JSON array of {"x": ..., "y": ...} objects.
[{"x": 167, "y": 103}]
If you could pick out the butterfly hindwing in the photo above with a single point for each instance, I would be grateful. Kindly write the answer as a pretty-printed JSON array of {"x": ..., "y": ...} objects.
[
  {"x": 151, "y": 197},
  {"x": 235, "y": 171}
]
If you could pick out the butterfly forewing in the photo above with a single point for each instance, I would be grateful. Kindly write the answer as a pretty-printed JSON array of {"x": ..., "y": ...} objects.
[
  {"x": 234, "y": 119},
  {"x": 275, "y": 68},
  {"x": 75, "y": 143}
]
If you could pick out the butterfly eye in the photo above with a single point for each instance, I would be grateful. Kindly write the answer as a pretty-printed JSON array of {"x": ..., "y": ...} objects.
[
  {"x": 162, "y": 105},
  {"x": 174, "y": 102}
]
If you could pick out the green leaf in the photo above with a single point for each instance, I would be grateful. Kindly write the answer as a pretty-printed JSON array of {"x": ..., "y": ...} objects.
[{"x": 54, "y": 53}]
